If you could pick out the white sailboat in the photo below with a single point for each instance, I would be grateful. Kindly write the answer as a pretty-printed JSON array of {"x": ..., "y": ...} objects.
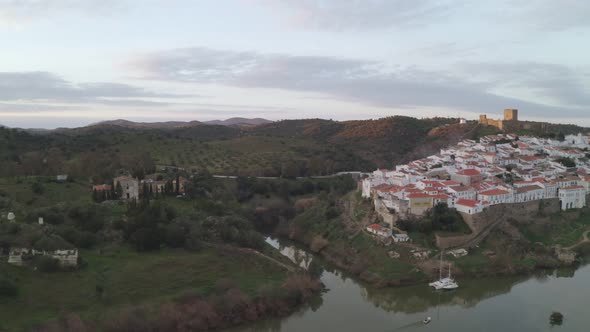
[{"x": 444, "y": 283}]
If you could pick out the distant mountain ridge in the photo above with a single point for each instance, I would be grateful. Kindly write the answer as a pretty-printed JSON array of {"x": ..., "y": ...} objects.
[
  {"x": 239, "y": 122},
  {"x": 147, "y": 125},
  {"x": 232, "y": 122}
]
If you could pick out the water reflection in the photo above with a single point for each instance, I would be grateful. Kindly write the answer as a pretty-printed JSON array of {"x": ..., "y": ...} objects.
[{"x": 494, "y": 304}]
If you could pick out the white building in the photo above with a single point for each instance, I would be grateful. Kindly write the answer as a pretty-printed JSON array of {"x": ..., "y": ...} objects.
[
  {"x": 496, "y": 196},
  {"x": 469, "y": 206},
  {"x": 572, "y": 197},
  {"x": 379, "y": 230}
]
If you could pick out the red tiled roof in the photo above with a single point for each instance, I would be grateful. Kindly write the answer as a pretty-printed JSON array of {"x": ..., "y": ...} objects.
[
  {"x": 469, "y": 172},
  {"x": 573, "y": 188},
  {"x": 423, "y": 195},
  {"x": 494, "y": 192},
  {"x": 467, "y": 202},
  {"x": 375, "y": 227},
  {"x": 463, "y": 188},
  {"x": 101, "y": 187},
  {"x": 527, "y": 189}
]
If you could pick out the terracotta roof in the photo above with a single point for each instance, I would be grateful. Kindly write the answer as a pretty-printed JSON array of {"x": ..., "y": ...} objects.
[
  {"x": 463, "y": 188},
  {"x": 467, "y": 202},
  {"x": 527, "y": 189},
  {"x": 469, "y": 172},
  {"x": 102, "y": 187},
  {"x": 375, "y": 227},
  {"x": 573, "y": 188},
  {"x": 494, "y": 192}
]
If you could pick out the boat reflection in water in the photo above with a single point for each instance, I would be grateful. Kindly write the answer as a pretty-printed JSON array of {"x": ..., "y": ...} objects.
[{"x": 483, "y": 304}]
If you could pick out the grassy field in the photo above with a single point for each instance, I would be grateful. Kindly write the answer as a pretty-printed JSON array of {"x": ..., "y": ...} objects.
[
  {"x": 242, "y": 155},
  {"x": 128, "y": 278},
  {"x": 381, "y": 264},
  {"x": 20, "y": 191},
  {"x": 563, "y": 229}
]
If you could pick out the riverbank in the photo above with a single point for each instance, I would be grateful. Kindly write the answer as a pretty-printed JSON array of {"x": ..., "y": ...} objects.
[
  {"x": 209, "y": 289},
  {"x": 515, "y": 247}
]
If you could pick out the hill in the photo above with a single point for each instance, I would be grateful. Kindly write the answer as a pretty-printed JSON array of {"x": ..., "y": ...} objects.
[
  {"x": 147, "y": 125},
  {"x": 287, "y": 148},
  {"x": 239, "y": 122}
]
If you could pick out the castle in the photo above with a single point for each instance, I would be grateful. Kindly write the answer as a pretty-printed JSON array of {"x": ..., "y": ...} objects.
[{"x": 510, "y": 117}]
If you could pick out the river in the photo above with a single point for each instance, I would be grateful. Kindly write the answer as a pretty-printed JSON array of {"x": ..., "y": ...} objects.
[{"x": 490, "y": 304}]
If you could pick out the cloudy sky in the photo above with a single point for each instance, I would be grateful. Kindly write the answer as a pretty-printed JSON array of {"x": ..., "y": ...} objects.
[{"x": 74, "y": 62}]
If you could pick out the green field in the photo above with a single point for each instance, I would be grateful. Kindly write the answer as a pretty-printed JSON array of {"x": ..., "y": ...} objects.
[
  {"x": 129, "y": 278},
  {"x": 563, "y": 229},
  {"x": 20, "y": 191}
]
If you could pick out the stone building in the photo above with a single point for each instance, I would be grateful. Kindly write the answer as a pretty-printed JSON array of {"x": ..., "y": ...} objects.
[
  {"x": 50, "y": 245},
  {"x": 129, "y": 186},
  {"x": 510, "y": 119}
]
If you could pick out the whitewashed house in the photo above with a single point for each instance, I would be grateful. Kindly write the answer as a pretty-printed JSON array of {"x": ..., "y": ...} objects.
[{"x": 572, "y": 197}]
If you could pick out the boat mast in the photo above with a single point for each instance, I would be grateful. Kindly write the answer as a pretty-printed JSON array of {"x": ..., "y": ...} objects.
[
  {"x": 449, "y": 270},
  {"x": 441, "y": 265}
]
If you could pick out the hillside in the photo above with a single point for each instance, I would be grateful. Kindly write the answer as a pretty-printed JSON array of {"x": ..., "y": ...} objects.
[
  {"x": 288, "y": 147},
  {"x": 146, "y": 125},
  {"x": 239, "y": 122}
]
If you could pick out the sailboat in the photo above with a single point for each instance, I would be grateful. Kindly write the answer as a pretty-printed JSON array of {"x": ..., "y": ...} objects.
[{"x": 447, "y": 283}]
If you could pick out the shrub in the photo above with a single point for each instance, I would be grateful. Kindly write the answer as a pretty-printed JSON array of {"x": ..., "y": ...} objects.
[
  {"x": 47, "y": 264},
  {"x": 37, "y": 188},
  {"x": 8, "y": 288}
]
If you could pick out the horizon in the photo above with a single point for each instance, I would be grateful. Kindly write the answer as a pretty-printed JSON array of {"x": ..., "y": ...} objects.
[
  {"x": 342, "y": 60},
  {"x": 239, "y": 117}
]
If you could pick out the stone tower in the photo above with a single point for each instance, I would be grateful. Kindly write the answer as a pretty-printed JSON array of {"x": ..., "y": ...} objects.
[
  {"x": 483, "y": 119},
  {"x": 511, "y": 114}
]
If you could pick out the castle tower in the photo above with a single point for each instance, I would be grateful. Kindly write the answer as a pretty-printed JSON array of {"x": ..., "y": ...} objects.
[
  {"x": 511, "y": 114},
  {"x": 483, "y": 119}
]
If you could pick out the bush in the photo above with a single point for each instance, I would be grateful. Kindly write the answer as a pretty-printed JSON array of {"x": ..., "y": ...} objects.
[
  {"x": 47, "y": 264},
  {"x": 37, "y": 188},
  {"x": 175, "y": 236},
  {"x": 8, "y": 288}
]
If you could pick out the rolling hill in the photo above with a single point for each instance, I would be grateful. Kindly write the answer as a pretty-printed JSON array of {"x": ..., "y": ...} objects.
[{"x": 298, "y": 147}]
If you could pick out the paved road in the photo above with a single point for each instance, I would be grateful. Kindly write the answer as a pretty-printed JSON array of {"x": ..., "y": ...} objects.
[{"x": 298, "y": 178}]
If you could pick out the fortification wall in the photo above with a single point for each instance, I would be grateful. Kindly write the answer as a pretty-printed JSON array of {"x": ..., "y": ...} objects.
[{"x": 482, "y": 224}]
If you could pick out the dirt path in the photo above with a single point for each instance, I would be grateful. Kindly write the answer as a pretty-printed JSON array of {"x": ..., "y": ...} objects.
[
  {"x": 290, "y": 268},
  {"x": 287, "y": 267},
  {"x": 582, "y": 241}
]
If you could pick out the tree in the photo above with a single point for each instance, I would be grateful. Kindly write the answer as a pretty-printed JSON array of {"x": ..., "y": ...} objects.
[
  {"x": 567, "y": 162},
  {"x": 119, "y": 190},
  {"x": 556, "y": 318},
  {"x": 37, "y": 188},
  {"x": 146, "y": 239},
  {"x": 7, "y": 288}
]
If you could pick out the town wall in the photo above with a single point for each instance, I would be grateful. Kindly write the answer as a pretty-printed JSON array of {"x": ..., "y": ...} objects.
[{"x": 483, "y": 223}]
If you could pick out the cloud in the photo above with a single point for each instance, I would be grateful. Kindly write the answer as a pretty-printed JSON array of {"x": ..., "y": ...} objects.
[
  {"x": 48, "y": 87},
  {"x": 16, "y": 11},
  {"x": 545, "y": 14},
  {"x": 361, "y": 14},
  {"x": 558, "y": 84},
  {"x": 468, "y": 88},
  {"x": 339, "y": 15}
]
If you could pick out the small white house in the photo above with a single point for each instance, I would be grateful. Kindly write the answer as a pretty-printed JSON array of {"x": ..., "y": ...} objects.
[
  {"x": 458, "y": 253},
  {"x": 62, "y": 178},
  {"x": 379, "y": 230},
  {"x": 469, "y": 206},
  {"x": 400, "y": 238}
]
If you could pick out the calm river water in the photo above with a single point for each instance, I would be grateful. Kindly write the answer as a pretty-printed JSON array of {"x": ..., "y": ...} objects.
[{"x": 498, "y": 304}]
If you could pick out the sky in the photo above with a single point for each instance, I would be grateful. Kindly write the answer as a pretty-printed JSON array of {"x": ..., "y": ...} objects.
[{"x": 68, "y": 63}]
